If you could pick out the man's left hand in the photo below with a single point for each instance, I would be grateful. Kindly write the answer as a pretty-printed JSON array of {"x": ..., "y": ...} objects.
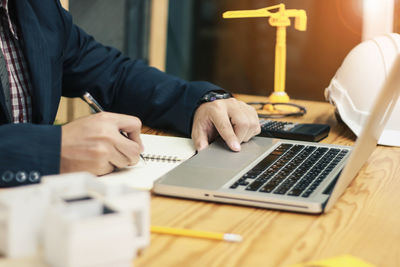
[{"x": 233, "y": 120}]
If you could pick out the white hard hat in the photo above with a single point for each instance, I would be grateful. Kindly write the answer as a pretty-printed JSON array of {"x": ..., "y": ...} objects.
[{"x": 359, "y": 79}]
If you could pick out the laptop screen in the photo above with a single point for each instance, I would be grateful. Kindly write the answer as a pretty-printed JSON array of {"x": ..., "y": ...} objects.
[{"x": 366, "y": 143}]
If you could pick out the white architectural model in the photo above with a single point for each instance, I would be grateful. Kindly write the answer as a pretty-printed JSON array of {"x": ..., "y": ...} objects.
[{"x": 76, "y": 220}]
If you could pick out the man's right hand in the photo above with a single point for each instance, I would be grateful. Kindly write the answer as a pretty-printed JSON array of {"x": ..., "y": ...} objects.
[{"x": 95, "y": 143}]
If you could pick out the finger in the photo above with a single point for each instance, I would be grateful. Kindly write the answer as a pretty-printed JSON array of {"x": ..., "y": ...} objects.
[
  {"x": 99, "y": 168},
  {"x": 224, "y": 127},
  {"x": 256, "y": 129},
  {"x": 130, "y": 125},
  {"x": 253, "y": 123},
  {"x": 200, "y": 138},
  {"x": 240, "y": 124},
  {"x": 135, "y": 136},
  {"x": 129, "y": 148},
  {"x": 104, "y": 169},
  {"x": 241, "y": 130},
  {"x": 118, "y": 159},
  {"x": 108, "y": 152}
]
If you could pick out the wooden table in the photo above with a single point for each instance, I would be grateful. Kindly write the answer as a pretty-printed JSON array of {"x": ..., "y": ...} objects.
[{"x": 365, "y": 222}]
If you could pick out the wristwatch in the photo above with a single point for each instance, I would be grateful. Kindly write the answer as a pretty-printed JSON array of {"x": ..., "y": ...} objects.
[{"x": 214, "y": 95}]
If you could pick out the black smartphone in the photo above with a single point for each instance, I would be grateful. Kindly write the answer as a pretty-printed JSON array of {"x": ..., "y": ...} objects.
[{"x": 311, "y": 132}]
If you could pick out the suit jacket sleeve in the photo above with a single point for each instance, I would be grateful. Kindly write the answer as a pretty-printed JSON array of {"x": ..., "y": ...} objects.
[
  {"x": 128, "y": 86},
  {"x": 28, "y": 151}
]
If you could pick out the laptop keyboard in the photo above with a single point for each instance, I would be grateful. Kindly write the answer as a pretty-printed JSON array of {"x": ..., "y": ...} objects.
[{"x": 294, "y": 170}]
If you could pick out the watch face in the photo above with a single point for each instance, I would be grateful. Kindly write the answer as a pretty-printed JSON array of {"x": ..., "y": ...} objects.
[{"x": 214, "y": 97}]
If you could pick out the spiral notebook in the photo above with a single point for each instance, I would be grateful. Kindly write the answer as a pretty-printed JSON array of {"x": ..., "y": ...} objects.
[{"x": 161, "y": 154}]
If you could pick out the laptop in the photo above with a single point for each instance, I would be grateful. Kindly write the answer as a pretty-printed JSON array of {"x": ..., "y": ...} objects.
[{"x": 281, "y": 174}]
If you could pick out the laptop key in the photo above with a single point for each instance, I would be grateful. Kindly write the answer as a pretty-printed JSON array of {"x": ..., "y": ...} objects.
[
  {"x": 268, "y": 188},
  {"x": 281, "y": 149},
  {"x": 295, "y": 192},
  {"x": 243, "y": 182},
  {"x": 307, "y": 193},
  {"x": 254, "y": 186},
  {"x": 250, "y": 175},
  {"x": 235, "y": 185}
]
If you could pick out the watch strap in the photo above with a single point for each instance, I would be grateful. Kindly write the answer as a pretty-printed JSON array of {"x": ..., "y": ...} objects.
[{"x": 214, "y": 95}]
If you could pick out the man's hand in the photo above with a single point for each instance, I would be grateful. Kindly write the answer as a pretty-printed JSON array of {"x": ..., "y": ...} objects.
[
  {"x": 95, "y": 143},
  {"x": 235, "y": 121}
]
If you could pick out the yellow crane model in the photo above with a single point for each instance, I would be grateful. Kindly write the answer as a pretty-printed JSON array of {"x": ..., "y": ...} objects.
[{"x": 281, "y": 20}]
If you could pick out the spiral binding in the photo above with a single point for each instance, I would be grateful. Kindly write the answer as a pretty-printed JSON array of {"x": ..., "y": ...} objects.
[{"x": 161, "y": 158}]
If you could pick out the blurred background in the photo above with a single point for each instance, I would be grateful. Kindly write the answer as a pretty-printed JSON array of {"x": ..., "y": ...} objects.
[
  {"x": 239, "y": 54},
  {"x": 189, "y": 38}
]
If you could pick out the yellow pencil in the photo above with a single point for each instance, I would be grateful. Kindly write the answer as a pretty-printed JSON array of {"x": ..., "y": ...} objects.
[{"x": 196, "y": 233}]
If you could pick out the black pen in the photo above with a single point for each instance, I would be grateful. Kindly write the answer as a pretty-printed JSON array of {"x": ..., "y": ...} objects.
[{"x": 88, "y": 98}]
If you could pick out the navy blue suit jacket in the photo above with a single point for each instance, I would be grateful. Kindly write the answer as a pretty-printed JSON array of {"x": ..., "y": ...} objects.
[{"x": 64, "y": 60}]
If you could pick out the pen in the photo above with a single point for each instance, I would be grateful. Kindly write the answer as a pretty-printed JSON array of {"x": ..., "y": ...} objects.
[
  {"x": 196, "y": 233},
  {"x": 89, "y": 99}
]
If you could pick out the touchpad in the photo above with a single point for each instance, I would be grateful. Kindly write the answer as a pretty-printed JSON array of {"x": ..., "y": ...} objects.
[{"x": 218, "y": 155}]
